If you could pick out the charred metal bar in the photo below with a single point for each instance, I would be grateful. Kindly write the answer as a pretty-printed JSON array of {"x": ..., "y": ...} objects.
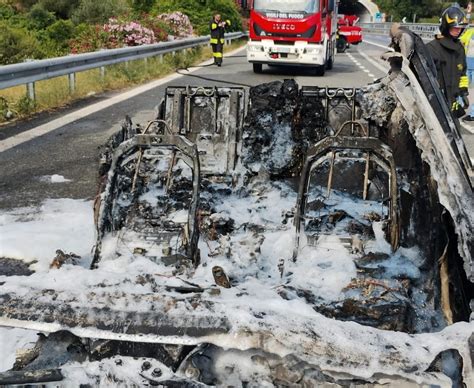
[
  {"x": 331, "y": 171},
  {"x": 30, "y": 376},
  {"x": 353, "y": 124},
  {"x": 135, "y": 176},
  {"x": 366, "y": 175}
]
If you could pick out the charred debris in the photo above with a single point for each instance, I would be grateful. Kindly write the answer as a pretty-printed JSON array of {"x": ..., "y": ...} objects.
[{"x": 333, "y": 201}]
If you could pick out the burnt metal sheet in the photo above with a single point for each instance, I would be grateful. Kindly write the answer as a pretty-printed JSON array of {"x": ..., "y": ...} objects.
[
  {"x": 211, "y": 118},
  {"x": 57, "y": 314}
]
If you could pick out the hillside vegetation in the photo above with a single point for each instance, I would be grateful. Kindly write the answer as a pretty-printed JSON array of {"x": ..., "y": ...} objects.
[{"x": 36, "y": 29}]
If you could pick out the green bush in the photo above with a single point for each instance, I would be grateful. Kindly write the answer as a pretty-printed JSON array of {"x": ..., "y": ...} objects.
[
  {"x": 17, "y": 44},
  {"x": 25, "y": 4},
  {"x": 60, "y": 31},
  {"x": 159, "y": 27},
  {"x": 63, "y": 9},
  {"x": 55, "y": 39},
  {"x": 201, "y": 13},
  {"x": 6, "y": 11},
  {"x": 98, "y": 12},
  {"x": 433, "y": 20},
  {"x": 6, "y": 113},
  {"x": 140, "y": 6},
  {"x": 25, "y": 105},
  {"x": 39, "y": 18},
  {"x": 88, "y": 38}
]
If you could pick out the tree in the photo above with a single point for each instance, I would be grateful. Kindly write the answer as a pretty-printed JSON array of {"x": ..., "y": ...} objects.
[
  {"x": 98, "y": 12},
  {"x": 398, "y": 9},
  {"x": 63, "y": 9},
  {"x": 39, "y": 18},
  {"x": 140, "y": 6},
  {"x": 23, "y": 5}
]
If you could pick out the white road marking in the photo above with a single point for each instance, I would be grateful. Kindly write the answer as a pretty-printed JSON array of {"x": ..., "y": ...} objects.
[
  {"x": 378, "y": 44},
  {"x": 369, "y": 74},
  {"x": 81, "y": 113},
  {"x": 382, "y": 68}
]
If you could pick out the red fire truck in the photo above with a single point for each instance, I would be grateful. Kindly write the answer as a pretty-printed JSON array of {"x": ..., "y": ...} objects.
[
  {"x": 292, "y": 32},
  {"x": 348, "y": 32}
]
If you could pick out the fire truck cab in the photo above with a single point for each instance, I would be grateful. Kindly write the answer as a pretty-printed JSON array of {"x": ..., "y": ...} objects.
[{"x": 292, "y": 32}]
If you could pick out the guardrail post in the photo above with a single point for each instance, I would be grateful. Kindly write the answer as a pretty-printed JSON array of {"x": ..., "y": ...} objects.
[
  {"x": 72, "y": 82},
  {"x": 102, "y": 72},
  {"x": 30, "y": 89},
  {"x": 160, "y": 58}
]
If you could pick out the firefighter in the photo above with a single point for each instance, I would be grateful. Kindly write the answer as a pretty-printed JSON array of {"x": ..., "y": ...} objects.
[
  {"x": 218, "y": 27},
  {"x": 467, "y": 40},
  {"x": 449, "y": 57}
]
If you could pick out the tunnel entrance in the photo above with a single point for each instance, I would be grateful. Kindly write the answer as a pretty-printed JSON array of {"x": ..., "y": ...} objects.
[{"x": 364, "y": 9}]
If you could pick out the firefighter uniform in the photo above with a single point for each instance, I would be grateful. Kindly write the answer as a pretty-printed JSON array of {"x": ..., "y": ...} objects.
[
  {"x": 450, "y": 60},
  {"x": 217, "y": 38}
]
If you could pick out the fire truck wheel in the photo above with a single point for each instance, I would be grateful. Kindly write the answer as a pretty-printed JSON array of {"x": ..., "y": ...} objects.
[
  {"x": 320, "y": 70},
  {"x": 330, "y": 62},
  {"x": 257, "y": 68}
]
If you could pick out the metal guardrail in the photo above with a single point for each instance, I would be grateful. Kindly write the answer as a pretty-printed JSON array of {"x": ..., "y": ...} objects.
[
  {"x": 423, "y": 30},
  {"x": 426, "y": 31},
  {"x": 30, "y": 72}
]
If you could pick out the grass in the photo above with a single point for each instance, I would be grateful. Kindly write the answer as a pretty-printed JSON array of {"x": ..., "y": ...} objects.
[{"x": 54, "y": 92}]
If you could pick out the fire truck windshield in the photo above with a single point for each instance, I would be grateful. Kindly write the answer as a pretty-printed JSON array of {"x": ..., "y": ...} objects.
[{"x": 278, "y": 8}]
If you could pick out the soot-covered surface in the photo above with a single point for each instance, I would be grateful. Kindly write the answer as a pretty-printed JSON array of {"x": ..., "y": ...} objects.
[{"x": 318, "y": 311}]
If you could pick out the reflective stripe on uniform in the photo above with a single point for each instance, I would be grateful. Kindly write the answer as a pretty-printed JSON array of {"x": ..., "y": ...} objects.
[
  {"x": 222, "y": 40},
  {"x": 466, "y": 37},
  {"x": 464, "y": 82},
  {"x": 217, "y": 55},
  {"x": 228, "y": 22},
  {"x": 213, "y": 26},
  {"x": 454, "y": 106},
  {"x": 214, "y": 41}
]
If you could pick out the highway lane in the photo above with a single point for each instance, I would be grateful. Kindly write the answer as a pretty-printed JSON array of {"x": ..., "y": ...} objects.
[{"x": 72, "y": 150}]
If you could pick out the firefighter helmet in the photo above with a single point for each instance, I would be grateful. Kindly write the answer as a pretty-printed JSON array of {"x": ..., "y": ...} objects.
[{"x": 452, "y": 16}]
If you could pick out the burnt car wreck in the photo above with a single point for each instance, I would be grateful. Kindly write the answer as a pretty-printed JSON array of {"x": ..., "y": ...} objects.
[{"x": 277, "y": 236}]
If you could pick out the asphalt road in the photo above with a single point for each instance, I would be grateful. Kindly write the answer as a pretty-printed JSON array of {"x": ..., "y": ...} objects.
[{"x": 72, "y": 150}]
